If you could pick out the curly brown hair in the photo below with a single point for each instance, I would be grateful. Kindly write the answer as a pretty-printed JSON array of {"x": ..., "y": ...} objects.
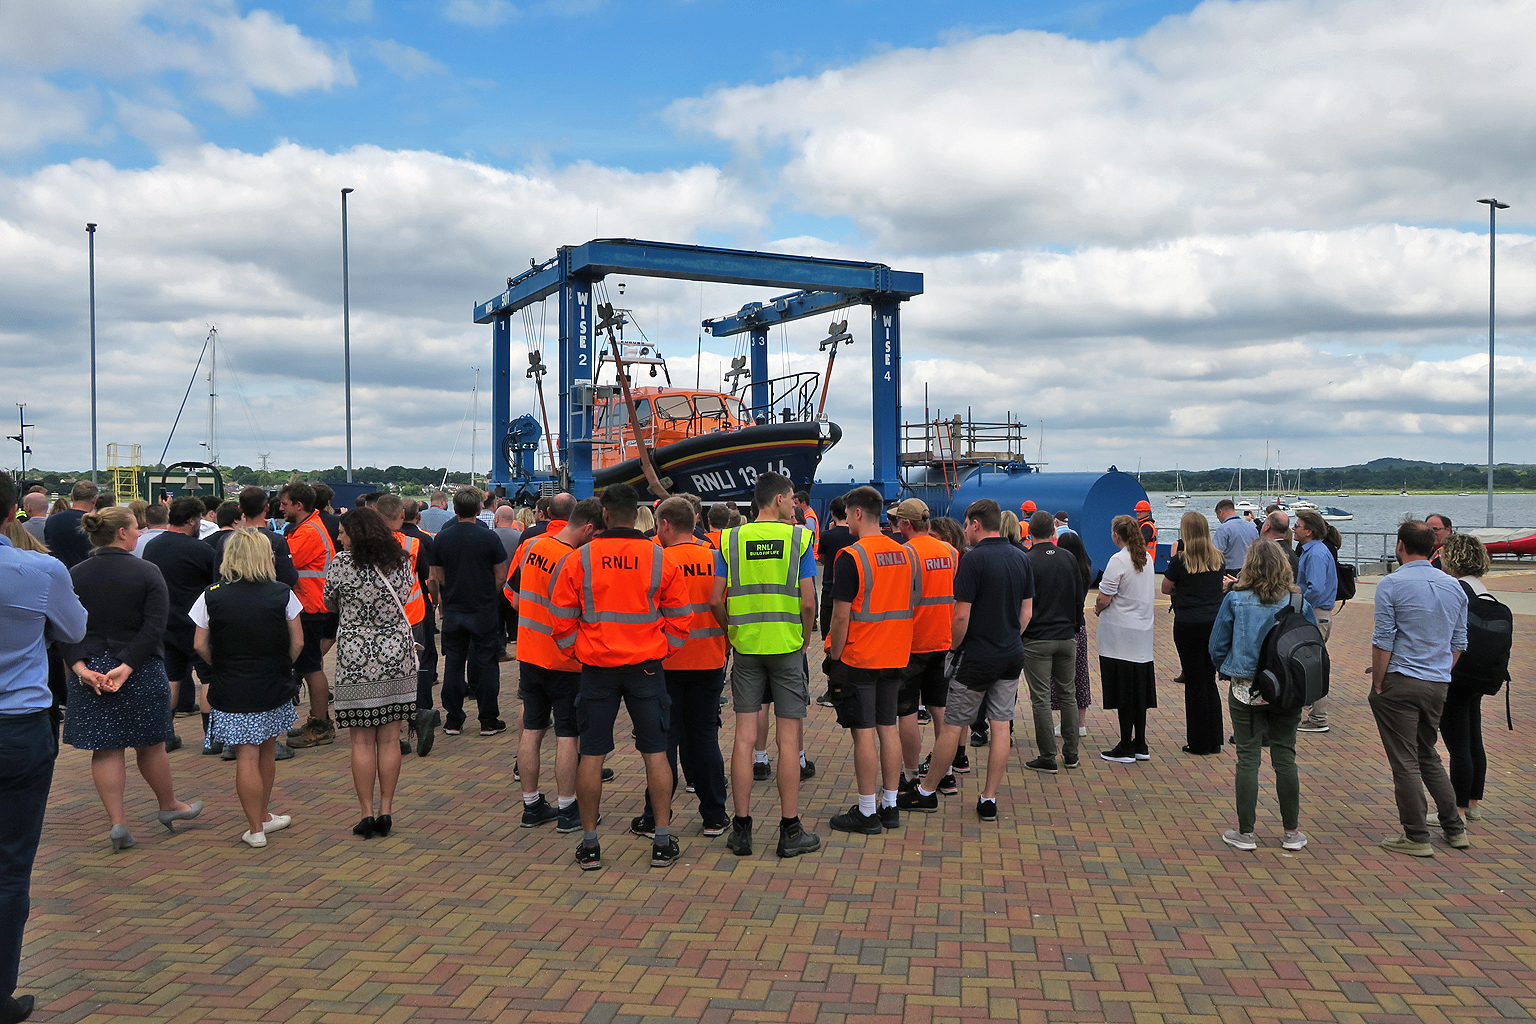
[{"x": 372, "y": 543}]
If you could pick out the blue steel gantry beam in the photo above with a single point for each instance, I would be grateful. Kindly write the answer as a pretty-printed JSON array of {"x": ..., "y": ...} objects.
[{"x": 824, "y": 284}]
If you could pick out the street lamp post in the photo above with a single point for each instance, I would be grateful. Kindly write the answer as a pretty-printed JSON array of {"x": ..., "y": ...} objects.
[
  {"x": 1493, "y": 207},
  {"x": 346, "y": 329},
  {"x": 90, "y": 231},
  {"x": 21, "y": 438}
]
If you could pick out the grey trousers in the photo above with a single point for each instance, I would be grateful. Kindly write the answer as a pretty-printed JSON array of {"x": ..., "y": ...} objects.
[
  {"x": 1052, "y": 665},
  {"x": 1407, "y": 714},
  {"x": 1317, "y": 714}
]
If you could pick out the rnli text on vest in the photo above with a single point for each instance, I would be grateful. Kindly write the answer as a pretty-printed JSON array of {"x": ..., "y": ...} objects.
[
  {"x": 890, "y": 558},
  {"x": 761, "y": 549},
  {"x": 620, "y": 562}
]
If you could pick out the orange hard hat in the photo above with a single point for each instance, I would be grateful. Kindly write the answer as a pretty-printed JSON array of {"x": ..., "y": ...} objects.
[
  {"x": 1143, "y": 506},
  {"x": 1028, "y": 507}
]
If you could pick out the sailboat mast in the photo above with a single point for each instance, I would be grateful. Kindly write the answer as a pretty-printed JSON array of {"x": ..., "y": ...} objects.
[
  {"x": 213, "y": 357},
  {"x": 474, "y": 430}
]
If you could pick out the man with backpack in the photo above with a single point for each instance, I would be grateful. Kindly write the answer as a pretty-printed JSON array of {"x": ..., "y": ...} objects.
[
  {"x": 1319, "y": 581},
  {"x": 1421, "y": 630}
]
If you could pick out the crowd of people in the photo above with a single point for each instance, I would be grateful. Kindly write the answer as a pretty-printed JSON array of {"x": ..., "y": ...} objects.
[{"x": 113, "y": 616}]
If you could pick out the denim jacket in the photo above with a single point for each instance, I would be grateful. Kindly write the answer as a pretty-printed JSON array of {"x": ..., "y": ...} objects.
[{"x": 1241, "y": 623}]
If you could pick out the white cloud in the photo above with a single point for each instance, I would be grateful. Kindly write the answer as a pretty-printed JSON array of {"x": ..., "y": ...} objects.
[
  {"x": 34, "y": 112},
  {"x": 229, "y": 56},
  {"x": 479, "y": 13},
  {"x": 1237, "y": 117},
  {"x": 405, "y": 61}
]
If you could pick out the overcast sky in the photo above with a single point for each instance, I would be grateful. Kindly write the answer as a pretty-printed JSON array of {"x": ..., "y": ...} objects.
[{"x": 1172, "y": 234}]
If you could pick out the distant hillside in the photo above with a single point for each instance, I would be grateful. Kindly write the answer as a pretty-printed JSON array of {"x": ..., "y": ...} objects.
[{"x": 1376, "y": 475}]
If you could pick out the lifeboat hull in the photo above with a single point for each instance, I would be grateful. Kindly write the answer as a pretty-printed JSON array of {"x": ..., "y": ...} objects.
[
  {"x": 725, "y": 466},
  {"x": 1513, "y": 546}
]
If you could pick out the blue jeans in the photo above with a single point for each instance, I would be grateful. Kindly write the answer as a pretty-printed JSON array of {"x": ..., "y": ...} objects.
[{"x": 27, "y": 752}]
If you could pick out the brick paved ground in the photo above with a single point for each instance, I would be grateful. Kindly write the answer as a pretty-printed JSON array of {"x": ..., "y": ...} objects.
[{"x": 1103, "y": 895}]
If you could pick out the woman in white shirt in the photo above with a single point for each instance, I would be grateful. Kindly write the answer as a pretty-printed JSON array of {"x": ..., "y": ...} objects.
[{"x": 1124, "y": 608}]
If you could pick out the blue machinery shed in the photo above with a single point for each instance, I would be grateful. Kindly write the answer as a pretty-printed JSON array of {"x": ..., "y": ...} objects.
[{"x": 946, "y": 471}]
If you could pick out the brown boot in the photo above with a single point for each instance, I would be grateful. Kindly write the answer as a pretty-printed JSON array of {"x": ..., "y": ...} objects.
[{"x": 316, "y": 733}]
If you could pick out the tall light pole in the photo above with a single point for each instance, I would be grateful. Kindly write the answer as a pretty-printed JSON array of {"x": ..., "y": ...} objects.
[
  {"x": 1494, "y": 206},
  {"x": 21, "y": 439},
  {"x": 346, "y": 329},
  {"x": 90, "y": 231}
]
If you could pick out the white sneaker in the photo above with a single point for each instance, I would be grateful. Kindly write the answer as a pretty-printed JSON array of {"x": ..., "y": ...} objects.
[
  {"x": 255, "y": 840},
  {"x": 277, "y": 822},
  {"x": 1294, "y": 840},
  {"x": 1241, "y": 840}
]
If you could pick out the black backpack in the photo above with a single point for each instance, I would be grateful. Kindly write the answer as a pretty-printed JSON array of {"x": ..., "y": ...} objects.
[
  {"x": 1484, "y": 665},
  {"x": 1293, "y": 661},
  {"x": 1346, "y": 573}
]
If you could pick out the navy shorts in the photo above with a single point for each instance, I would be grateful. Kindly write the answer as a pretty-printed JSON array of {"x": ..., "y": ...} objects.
[
  {"x": 923, "y": 682},
  {"x": 317, "y": 626},
  {"x": 863, "y": 697},
  {"x": 643, "y": 689},
  {"x": 548, "y": 694},
  {"x": 180, "y": 662}
]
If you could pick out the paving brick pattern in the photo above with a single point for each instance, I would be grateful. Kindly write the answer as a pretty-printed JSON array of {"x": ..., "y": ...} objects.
[{"x": 1101, "y": 895}]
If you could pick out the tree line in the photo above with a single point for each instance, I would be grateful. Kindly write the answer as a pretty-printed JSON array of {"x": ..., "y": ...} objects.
[{"x": 1376, "y": 475}]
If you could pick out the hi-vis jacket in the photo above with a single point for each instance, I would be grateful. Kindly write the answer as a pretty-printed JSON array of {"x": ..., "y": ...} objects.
[
  {"x": 705, "y": 649},
  {"x": 622, "y": 600},
  {"x": 538, "y": 561},
  {"x": 880, "y": 622},
  {"x": 936, "y": 564},
  {"x": 416, "y": 604},
  {"x": 312, "y": 551}
]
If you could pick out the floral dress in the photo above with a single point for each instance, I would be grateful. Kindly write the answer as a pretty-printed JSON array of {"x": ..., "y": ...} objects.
[{"x": 375, "y": 653}]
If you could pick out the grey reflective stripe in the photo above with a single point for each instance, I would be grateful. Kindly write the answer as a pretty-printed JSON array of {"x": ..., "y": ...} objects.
[
  {"x": 535, "y": 627},
  {"x": 658, "y": 560},
  {"x": 563, "y": 612},
  {"x": 586, "y": 584},
  {"x": 533, "y": 598},
  {"x": 640, "y": 617},
  {"x": 673, "y": 641},
  {"x": 867, "y": 574},
  {"x": 678, "y": 613},
  {"x": 694, "y": 634},
  {"x": 312, "y": 573},
  {"x": 880, "y": 616},
  {"x": 778, "y": 589},
  {"x": 566, "y": 642},
  {"x": 795, "y": 554},
  {"x": 732, "y": 562},
  {"x": 746, "y": 620},
  {"x": 935, "y": 600},
  {"x": 706, "y": 606}
]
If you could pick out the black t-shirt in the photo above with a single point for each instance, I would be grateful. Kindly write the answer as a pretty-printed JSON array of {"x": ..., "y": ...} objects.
[
  {"x": 189, "y": 567},
  {"x": 1196, "y": 595},
  {"x": 1059, "y": 594},
  {"x": 282, "y": 558},
  {"x": 468, "y": 559},
  {"x": 833, "y": 540},
  {"x": 995, "y": 578},
  {"x": 845, "y": 577},
  {"x": 332, "y": 524},
  {"x": 65, "y": 540}
]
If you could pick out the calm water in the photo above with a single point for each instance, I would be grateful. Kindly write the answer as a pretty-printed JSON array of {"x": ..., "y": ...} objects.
[{"x": 1380, "y": 513}]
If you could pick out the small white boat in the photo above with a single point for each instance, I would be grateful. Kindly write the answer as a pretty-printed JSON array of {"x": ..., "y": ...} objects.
[
  {"x": 1463, "y": 494},
  {"x": 1180, "y": 499},
  {"x": 1247, "y": 506},
  {"x": 1336, "y": 515},
  {"x": 1301, "y": 504}
]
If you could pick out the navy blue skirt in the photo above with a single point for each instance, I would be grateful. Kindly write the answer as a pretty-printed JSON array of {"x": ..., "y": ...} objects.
[{"x": 138, "y": 715}]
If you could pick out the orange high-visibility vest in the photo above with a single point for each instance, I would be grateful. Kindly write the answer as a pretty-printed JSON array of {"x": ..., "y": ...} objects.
[
  {"x": 622, "y": 600},
  {"x": 1151, "y": 544},
  {"x": 416, "y": 604},
  {"x": 814, "y": 523},
  {"x": 714, "y": 538},
  {"x": 535, "y": 569},
  {"x": 312, "y": 550},
  {"x": 705, "y": 649},
  {"x": 880, "y": 622},
  {"x": 936, "y": 564}
]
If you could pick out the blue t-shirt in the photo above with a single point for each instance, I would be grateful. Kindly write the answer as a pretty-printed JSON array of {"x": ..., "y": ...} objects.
[{"x": 994, "y": 578}]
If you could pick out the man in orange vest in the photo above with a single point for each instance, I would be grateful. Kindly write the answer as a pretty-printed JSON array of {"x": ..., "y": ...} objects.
[
  {"x": 549, "y": 674},
  {"x": 924, "y": 682},
  {"x": 628, "y": 609},
  {"x": 695, "y": 674},
  {"x": 803, "y": 502},
  {"x": 875, "y": 588},
  {"x": 310, "y": 544},
  {"x": 1148, "y": 527}
]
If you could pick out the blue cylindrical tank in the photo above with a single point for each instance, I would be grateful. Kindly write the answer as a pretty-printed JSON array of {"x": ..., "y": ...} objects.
[{"x": 1091, "y": 501}]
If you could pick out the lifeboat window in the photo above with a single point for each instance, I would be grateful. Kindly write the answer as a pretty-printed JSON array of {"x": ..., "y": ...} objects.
[
  {"x": 710, "y": 407},
  {"x": 674, "y": 407},
  {"x": 616, "y": 414},
  {"x": 643, "y": 412},
  {"x": 736, "y": 409}
]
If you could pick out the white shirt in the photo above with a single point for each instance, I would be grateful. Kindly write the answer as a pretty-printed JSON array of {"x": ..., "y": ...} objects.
[
  {"x": 199, "y": 611},
  {"x": 1125, "y": 627},
  {"x": 206, "y": 529}
]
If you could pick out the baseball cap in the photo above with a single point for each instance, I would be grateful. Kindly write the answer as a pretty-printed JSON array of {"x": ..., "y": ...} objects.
[
  {"x": 913, "y": 510},
  {"x": 1060, "y": 517}
]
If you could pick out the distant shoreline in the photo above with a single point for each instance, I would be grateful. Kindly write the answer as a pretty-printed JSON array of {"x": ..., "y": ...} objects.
[{"x": 1356, "y": 494}]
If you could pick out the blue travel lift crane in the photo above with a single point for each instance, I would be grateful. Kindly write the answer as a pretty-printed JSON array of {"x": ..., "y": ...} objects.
[{"x": 823, "y": 285}]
